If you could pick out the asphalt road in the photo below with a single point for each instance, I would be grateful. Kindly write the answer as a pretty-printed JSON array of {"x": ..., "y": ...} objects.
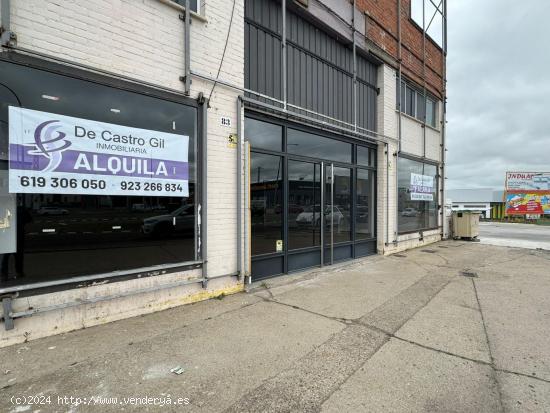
[{"x": 515, "y": 235}]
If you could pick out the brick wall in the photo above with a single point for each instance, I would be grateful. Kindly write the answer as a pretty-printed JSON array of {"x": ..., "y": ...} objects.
[{"x": 381, "y": 28}]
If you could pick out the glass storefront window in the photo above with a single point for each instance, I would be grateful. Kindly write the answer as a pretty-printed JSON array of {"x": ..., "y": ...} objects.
[
  {"x": 304, "y": 209},
  {"x": 417, "y": 195},
  {"x": 61, "y": 235},
  {"x": 263, "y": 135},
  {"x": 366, "y": 156},
  {"x": 340, "y": 214},
  {"x": 286, "y": 190},
  {"x": 266, "y": 202},
  {"x": 364, "y": 219},
  {"x": 315, "y": 146}
]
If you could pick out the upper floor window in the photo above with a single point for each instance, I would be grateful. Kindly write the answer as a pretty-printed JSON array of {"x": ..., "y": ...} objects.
[
  {"x": 194, "y": 5},
  {"x": 415, "y": 104},
  {"x": 428, "y": 15}
]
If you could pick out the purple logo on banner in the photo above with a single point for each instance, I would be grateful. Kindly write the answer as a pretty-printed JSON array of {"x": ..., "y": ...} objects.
[{"x": 49, "y": 146}]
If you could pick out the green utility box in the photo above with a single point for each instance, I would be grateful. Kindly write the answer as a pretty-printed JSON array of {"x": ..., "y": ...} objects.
[{"x": 466, "y": 224}]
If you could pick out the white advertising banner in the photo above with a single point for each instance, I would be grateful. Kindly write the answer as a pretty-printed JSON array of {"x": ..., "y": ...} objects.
[
  {"x": 422, "y": 187},
  {"x": 52, "y": 153},
  {"x": 528, "y": 181}
]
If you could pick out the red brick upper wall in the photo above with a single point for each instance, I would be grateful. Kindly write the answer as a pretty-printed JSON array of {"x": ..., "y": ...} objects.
[{"x": 381, "y": 21}]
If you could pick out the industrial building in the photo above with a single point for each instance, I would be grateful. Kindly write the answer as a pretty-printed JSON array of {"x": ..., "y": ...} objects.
[
  {"x": 488, "y": 201},
  {"x": 155, "y": 153}
]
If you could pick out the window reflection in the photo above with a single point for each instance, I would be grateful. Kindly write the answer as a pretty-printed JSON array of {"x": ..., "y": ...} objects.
[
  {"x": 61, "y": 236},
  {"x": 315, "y": 146},
  {"x": 340, "y": 215},
  {"x": 304, "y": 209},
  {"x": 417, "y": 195},
  {"x": 266, "y": 202},
  {"x": 364, "y": 202},
  {"x": 71, "y": 235},
  {"x": 366, "y": 156},
  {"x": 263, "y": 135}
]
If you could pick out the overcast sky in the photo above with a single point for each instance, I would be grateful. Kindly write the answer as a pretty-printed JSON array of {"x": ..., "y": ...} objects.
[{"x": 498, "y": 90}]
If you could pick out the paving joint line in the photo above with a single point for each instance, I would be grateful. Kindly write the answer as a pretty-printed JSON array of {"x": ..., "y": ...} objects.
[
  {"x": 437, "y": 350},
  {"x": 347, "y": 321},
  {"x": 386, "y": 333},
  {"x": 493, "y": 367},
  {"x": 344, "y": 321},
  {"x": 517, "y": 373}
]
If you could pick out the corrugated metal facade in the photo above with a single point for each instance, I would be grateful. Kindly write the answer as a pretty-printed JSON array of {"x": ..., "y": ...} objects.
[{"x": 319, "y": 67}]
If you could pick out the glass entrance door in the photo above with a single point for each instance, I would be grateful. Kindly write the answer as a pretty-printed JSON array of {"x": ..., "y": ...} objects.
[
  {"x": 338, "y": 213},
  {"x": 304, "y": 212},
  {"x": 312, "y": 198}
]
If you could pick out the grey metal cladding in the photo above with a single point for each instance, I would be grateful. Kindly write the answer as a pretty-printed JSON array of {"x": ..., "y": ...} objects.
[{"x": 319, "y": 67}]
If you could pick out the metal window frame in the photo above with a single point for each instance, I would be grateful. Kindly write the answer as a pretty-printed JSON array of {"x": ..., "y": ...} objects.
[
  {"x": 324, "y": 165},
  {"x": 100, "y": 77},
  {"x": 422, "y": 160}
]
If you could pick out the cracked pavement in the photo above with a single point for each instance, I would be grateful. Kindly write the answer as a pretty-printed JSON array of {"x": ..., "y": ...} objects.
[{"x": 454, "y": 327}]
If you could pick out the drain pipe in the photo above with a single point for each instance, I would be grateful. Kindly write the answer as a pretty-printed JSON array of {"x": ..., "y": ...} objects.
[
  {"x": 386, "y": 150},
  {"x": 187, "y": 46},
  {"x": 239, "y": 188},
  {"x": 7, "y": 37},
  {"x": 204, "y": 173}
]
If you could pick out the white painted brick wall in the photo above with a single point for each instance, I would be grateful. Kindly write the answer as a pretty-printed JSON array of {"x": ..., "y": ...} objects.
[
  {"x": 144, "y": 40},
  {"x": 412, "y": 142}
]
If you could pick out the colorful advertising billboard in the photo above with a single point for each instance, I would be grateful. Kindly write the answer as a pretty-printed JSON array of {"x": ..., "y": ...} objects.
[{"x": 527, "y": 193}]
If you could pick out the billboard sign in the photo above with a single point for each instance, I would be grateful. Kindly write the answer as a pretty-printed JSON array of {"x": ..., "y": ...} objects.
[
  {"x": 527, "y": 193},
  {"x": 528, "y": 181},
  {"x": 527, "y": 203},
  {"x": 51, "y": 153}
]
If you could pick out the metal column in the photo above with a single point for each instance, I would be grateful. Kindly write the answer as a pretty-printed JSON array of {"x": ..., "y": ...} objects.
[
  {"x": 322, "y": 214},
  {"x": 399, "y": 128},
  {"x": 331, "y": 213},
  {"x": 354, "y": 67},
  {"x": 283, "y": 60}
]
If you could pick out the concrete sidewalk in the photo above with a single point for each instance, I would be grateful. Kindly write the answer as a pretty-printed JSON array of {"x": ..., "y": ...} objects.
[{"x": 455, "y": 326}]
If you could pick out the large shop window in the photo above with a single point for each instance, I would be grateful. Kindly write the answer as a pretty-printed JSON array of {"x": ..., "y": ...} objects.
[
  {"x": 417, "y": 195},
  {"x": 100, "y": 179},
  {"x": 266, "y": 202}
]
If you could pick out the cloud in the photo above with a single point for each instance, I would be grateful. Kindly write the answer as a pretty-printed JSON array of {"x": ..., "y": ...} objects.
[{"x": 498, "y": 72}]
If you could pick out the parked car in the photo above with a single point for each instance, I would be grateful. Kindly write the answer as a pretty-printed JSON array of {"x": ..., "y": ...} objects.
[
  {"x": 311, "y": 216},
  {"x": 51, "y": 210},
  {"x": 409, "y": 212},
  {"x": 141, "y": 208},
  {"x": 362, "y": 213},
  {"x": 180, "y": 220}
]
